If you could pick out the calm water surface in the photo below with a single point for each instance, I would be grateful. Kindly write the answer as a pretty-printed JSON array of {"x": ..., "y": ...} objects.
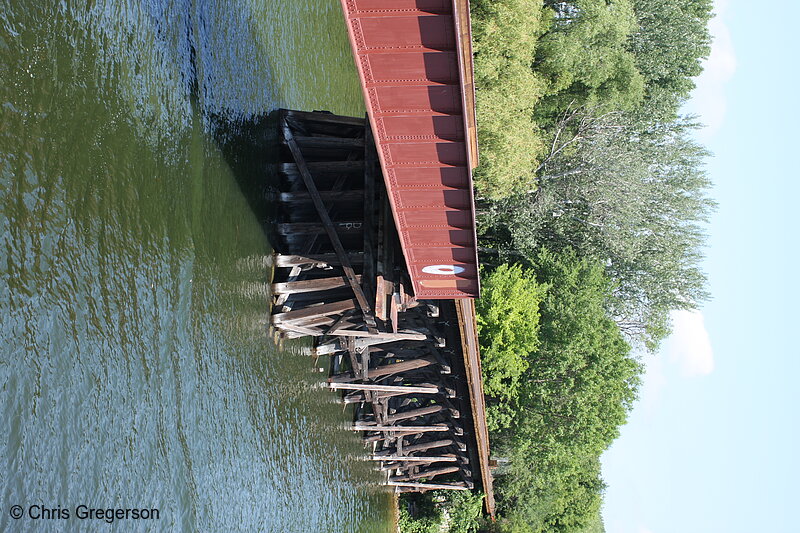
[{"x": 135, "y": 367}]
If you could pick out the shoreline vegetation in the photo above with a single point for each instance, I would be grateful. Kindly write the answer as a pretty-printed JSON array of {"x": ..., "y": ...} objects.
[{"x": 592, "y": 202}]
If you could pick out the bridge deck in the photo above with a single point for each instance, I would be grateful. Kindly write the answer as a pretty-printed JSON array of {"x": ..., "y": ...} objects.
[{"x": 414, "y": 59}]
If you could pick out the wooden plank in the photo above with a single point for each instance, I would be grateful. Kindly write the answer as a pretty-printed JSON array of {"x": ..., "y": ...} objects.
[
  {"x": 415, "y": 458},
  {"x": 355, "y": 363},
  {"x": 428, "y": 445},
  {"x": 400, "y": 429},
  {"x": 365, "y": 360},
  {"x": 312, "y": 321},
  {"x": 429, "y": 486},
  {"x": 323, "y": 168},
  {"x": 341, "y": 321},
  {"x": 324, "y": 117},
  {"x": 370, "y": 177},
  {"x": 333, "y": 308},
  {"x": 284, "y": 261},
  {"x": 380, "y": 295},
  {"x": 405, "y": 297},
  {"x": 394, "y": 307},
  {"x": 392, "y": 368},
  {"x": 327, "y": 348},
  {"x": 401, "y": 336},
  {"x": 362, "y": 343},
  {"x": 427, "y": 473},
  {"x": 315, "y": 228},
  {"x": 356, "y": 397},
  {"x": 413, "y": 413},
  {"x": 329, "y": 228},
  {"x": 310, "y": 285},
  {"x": 327, "y": 196},
  {"x": 328, "y": 142},
  {"x": 384, "y": 388},
  {"x": 303, "y": 331}
]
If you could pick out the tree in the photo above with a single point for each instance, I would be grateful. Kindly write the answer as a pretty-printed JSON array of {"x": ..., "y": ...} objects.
[
  {"x": 585, "y": 57},
  {"x": 671, "y": 40},
  {"x": 578, "y": 386},
  {"x": 508, "y": 326},
  {"x": 581, "y": 381},
  {"x": 634, "y": 197},
  {"x": 505, "y": 34}
]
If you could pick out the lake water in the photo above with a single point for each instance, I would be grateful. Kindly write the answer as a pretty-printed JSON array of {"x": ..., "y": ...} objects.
[{"x": 135, "y": 369}]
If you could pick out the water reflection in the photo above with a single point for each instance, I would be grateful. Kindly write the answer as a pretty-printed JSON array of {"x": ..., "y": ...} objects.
[{"x": 135, "y": 367}]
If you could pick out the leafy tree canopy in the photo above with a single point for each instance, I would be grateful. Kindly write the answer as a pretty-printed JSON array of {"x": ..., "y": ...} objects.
[{"x": 508, "y": 327}]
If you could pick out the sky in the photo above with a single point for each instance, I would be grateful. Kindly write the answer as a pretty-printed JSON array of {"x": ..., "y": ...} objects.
[{"x": 713, "y": 445}]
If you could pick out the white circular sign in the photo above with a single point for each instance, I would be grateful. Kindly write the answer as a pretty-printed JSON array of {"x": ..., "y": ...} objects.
[{"x": 443, "y": 270}]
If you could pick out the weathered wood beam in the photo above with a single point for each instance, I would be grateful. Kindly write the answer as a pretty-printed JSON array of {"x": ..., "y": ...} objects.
[
  {"x": 284, "y": 261},
  {"x": 328, "y": 118},
  {"x": 328, "y": 348},
  {"x": 413, "y": 413},
  {"x": 383, "y": 388},
  {"x": 327, "y": 196},
  {"x": 329, "y": 227},
  {"x": 310, "y": 285},
  {"x": 340, "y": 322},
  {"x": 356, "y": 397},
  {"x": 333, "y": 308},
  {"x": 401, "y": 336},
  {"x": 364, "y": 342},
  {"x": 321, "y": 142},
  {"x": 429, "y": 486},
  {"x": 400, "y": 429},
  {"x": 385, "y": 370},
  {"x": 426, "y": 473},
  {"x": 450, "y": 458},
  {"x": 409, "y": 449},
  {"x": 303, "y": 331},
  {"x": 428, "y": 445},
  {"x": 323, "y": 168},
  {"x": 315, "y": 228}
]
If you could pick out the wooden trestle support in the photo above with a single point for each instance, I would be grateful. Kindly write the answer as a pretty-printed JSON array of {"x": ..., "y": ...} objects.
[{"x": 340, "y": 277}]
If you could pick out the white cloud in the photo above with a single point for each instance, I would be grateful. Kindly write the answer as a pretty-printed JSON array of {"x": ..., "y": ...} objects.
[
  {"x": 689, "y": 346},
  {"x": 708, "y": 99}
]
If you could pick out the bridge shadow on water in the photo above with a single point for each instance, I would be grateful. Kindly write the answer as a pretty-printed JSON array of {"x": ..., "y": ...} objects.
[{"x": 251, "y": 149}]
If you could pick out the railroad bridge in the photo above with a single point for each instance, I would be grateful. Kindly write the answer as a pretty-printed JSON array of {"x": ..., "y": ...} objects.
[{"x": 376, "y": 246}]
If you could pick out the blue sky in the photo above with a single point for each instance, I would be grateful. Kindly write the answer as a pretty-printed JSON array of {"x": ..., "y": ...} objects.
[{"x": 713, "y": 444}]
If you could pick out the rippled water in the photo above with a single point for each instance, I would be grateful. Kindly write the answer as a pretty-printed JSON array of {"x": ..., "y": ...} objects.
[{"x": 136, "y": 370}]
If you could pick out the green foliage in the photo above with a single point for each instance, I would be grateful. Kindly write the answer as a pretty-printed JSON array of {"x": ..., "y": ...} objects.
[
  {"x": 563, "y": 494},
  {"x": 582, "y": 381},
  {"x": 505, "y": 34},
  {"x": 535, "y": 62},
  {"x": 465, "y": 510},
  {"x": 585, "y": 57},
  {"x": 574, "y": 383},
  {"x": 594, "y": 524},
  {"x": 591, "y": 181},
  {"x": 428, "y": 517},
  {"x": 671, "y": 41},
  {"x": 444, "y": 511},
  {"x": 632, "y": 196},
  {"x": 508, "y": 326}
]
